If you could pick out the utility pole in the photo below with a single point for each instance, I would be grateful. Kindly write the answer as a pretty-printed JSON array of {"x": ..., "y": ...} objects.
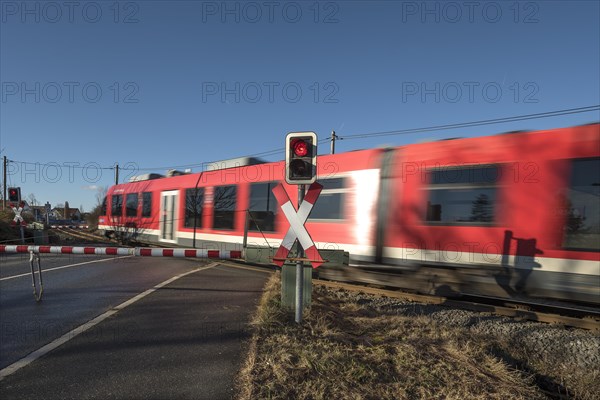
[
  {"x": 333, "y": 138},
  {"x": 4, "y": 165},
  {"x": 117, "y": 174}
]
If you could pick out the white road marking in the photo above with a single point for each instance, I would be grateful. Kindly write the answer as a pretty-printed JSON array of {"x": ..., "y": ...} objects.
[
  {"x": 82, "y": 328},
  {"x": 255, "y": 269},
  {"x": 64, "y": 266}
]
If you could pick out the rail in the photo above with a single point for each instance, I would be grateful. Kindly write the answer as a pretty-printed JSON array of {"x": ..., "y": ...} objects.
[{"x": 591, "y": 321}]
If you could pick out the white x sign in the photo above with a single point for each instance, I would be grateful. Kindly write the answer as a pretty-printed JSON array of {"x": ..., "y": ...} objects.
[
  {"x": 297, "y": 220},
  {"x": 18, "y": 219}
]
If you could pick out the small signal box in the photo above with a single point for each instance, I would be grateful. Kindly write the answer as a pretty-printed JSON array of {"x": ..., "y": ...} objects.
[
  {"x": 300, "y": 158},
  {"x": 14, "y": 195}
]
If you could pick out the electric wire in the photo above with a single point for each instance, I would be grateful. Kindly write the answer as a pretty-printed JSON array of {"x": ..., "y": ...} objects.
[{"x": 355, "y": 136}]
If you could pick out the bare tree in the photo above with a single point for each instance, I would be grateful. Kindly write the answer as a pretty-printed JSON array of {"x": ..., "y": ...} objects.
[
  {"x": 32, "y": 200},
  {"x": 101, "y": 194},
  {"x": 97, "y": 210}
]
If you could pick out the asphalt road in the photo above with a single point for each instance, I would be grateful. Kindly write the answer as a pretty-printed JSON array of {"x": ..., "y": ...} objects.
[{"x": 182, "y": 340}]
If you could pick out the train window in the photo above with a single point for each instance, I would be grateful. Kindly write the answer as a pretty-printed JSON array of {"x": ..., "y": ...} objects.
[
  {"x": 103, "y": 207},
  {"x": 581, "y": 206},
  {"x": 329, "y": 204},
  {"x": 146, "y": 204},
  {"x": 116, "y": 209},
  {"x": 131, "y": 205},
  {"x": 463, "y": 196},
  {"x": 263, "y": 207},
  {"x": 194, "y": 200},
  {"x": 224, "y": 200}
]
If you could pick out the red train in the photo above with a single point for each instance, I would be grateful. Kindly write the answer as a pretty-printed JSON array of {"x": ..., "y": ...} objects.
[{"x": 510, "y": 214}]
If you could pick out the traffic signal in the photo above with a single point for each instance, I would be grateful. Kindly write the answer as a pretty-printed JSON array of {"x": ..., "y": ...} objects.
[
  {"x": 300, "y": 158},
  {"x": 14, "y": 194}
]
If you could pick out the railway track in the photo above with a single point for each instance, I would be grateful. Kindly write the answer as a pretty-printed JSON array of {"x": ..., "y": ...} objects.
[
  {"x": 85, "y": 236},
  {"x": 526, "y": 310},
  {"x": 518, "y": 309}
]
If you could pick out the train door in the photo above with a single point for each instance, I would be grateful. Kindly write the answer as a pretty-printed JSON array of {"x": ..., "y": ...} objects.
[{"x": 168, "y": 216}]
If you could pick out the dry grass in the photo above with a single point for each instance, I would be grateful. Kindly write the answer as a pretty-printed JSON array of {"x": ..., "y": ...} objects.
[{"x": 346, "y": 351}]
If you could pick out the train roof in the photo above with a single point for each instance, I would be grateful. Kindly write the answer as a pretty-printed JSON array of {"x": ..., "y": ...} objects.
[
  {"x": 235, "y": 162},
  {"x": 145, "y": 177}
]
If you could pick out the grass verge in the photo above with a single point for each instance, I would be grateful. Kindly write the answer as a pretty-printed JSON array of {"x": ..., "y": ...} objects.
[{"x": 345, "y": 349}]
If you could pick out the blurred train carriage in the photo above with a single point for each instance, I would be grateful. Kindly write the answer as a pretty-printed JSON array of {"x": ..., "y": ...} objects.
[{"x": 505, "y": 215}]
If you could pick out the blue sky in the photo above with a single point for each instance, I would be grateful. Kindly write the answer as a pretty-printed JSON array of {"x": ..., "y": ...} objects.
[{"x": 169, "y": 83}]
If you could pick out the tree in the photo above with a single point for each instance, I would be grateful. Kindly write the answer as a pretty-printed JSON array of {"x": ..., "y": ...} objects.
[
  {"x": 101, "y": 194},
  {"x": 575, "y": 222},
  {"x": 94, "y": 215},
  {"x": 481, "y": 211},
  {"x": 32, "y": 200}
]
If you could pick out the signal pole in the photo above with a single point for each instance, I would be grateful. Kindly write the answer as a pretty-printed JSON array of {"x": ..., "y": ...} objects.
[{"x": 299, "y": 267}]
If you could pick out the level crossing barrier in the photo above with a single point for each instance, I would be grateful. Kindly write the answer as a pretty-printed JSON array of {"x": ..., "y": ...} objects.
[
  {"x": 122, "y": 251},
  {"x": 35, "y": 251},
  {"x": 69, "y": 226}
]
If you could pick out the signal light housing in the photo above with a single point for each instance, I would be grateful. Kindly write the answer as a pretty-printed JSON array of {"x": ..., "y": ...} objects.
[
  {"x": 14, "y": 194},
  {"x": 300, "y": 158}
]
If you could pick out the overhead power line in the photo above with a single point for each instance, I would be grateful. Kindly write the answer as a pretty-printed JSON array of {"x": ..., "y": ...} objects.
[
  {"x": 367, "y": 135},
  {"x": 452, "y": 126},
  {"x": 475, "y": 123},
  {"x": 63, "y": 165}
]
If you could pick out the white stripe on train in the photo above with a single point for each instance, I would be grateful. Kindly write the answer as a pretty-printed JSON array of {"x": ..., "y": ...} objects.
[{"x": 547, "y": 264}]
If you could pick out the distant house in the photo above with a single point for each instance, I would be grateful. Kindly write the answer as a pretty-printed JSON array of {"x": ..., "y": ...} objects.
[
  {"x": 73, "y": 214},
  {"x": 55, "y": 213},
  {"x": 64, "y": 213}
]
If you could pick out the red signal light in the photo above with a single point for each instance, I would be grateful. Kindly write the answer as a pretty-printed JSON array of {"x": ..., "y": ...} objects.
[
  {"x": 14, "y": 194},
  {"x": 300, "y": 158},
  {"x": 300, "y": 148}
]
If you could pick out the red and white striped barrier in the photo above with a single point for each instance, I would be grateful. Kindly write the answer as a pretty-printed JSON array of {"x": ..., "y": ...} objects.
[
  {"x": 69, "y": 226},
  {"x": 122, "y": 251},
  {"x": 193, "y": 253}
]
